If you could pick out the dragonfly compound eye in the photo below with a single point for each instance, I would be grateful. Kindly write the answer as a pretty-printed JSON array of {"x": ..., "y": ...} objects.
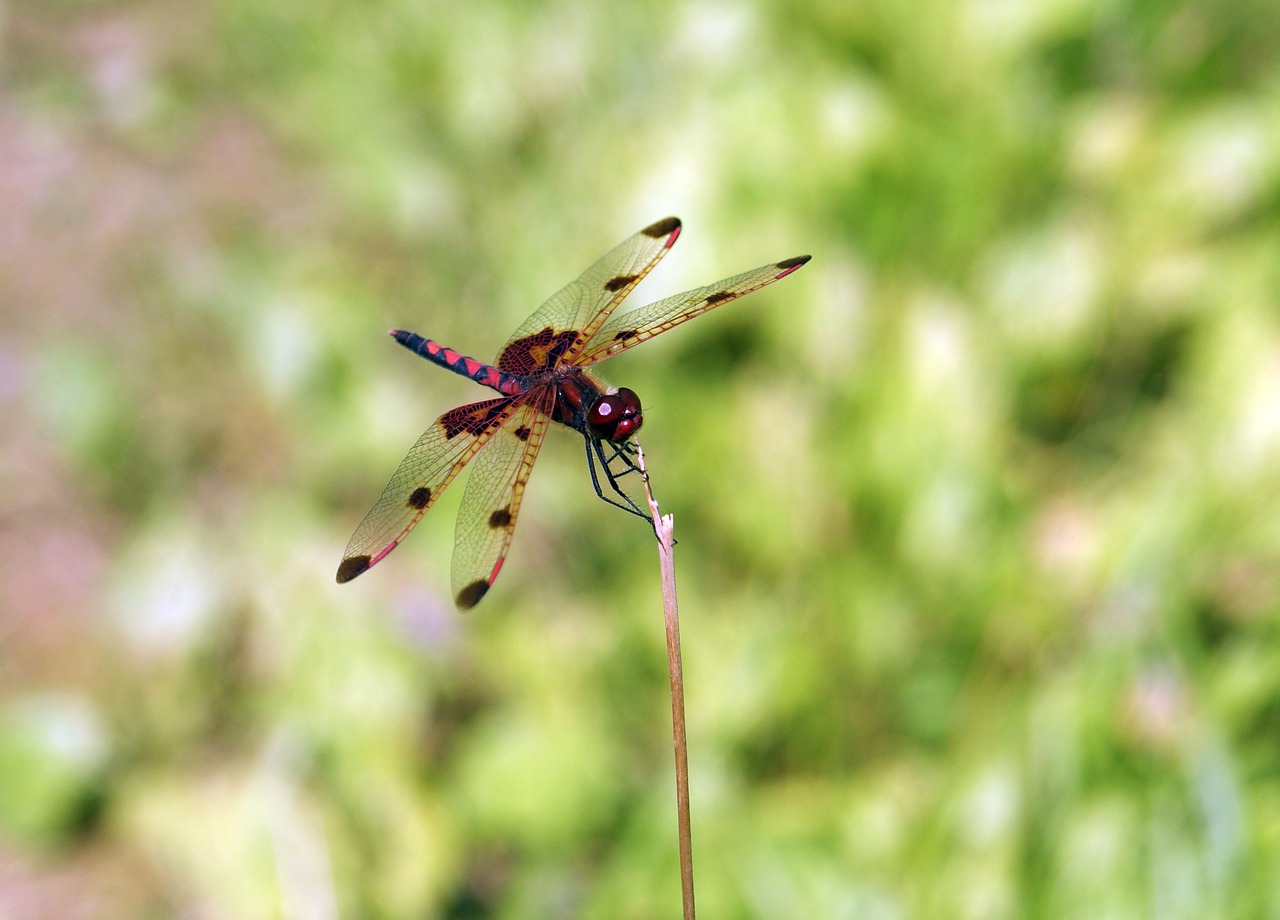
[{"x": 616, "y": 416}]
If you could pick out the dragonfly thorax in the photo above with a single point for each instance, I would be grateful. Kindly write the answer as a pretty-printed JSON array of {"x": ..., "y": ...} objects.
[{"x": 586, "y": 404}]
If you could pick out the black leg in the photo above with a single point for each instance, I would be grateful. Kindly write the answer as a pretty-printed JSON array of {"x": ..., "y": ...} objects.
[{"x": 625, "y": 451}]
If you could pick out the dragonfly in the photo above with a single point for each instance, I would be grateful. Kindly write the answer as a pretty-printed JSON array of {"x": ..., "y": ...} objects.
[{"x": 541, "y": 376}]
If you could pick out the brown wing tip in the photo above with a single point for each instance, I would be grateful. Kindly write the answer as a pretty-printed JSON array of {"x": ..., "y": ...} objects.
[
  {"x": 787, "y": 266},
  {"x": 668, "y": 226},
  {"x": 351, "y": 567},
  {"x": 469, "y": 596}
]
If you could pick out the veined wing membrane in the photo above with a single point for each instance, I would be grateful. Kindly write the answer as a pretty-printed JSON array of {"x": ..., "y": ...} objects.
[
  {"x": 491, "y": 502},
  {"x": 441, "y": 452},
  {"x": 626, "y": 330},
  {"x": 558, "y": 329}
]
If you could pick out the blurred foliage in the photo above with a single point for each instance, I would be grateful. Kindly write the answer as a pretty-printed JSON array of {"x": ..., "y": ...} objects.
[{"x": 978, "y": 514}]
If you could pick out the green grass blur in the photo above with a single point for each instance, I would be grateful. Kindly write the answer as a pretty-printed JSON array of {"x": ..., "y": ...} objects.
[{"x": 979, "y": 513}]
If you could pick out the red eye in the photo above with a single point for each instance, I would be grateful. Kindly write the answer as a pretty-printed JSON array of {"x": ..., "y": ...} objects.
[{"x": 616, "y": 416}]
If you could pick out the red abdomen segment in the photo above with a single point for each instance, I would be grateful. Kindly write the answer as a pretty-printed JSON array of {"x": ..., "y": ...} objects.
[{"x": 478, "y": 371}]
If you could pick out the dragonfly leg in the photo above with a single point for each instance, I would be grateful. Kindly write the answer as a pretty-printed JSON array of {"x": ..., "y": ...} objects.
[{"x": 595, "y": 450}]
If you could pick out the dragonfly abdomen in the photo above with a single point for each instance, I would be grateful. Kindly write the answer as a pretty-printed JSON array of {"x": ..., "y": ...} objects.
[{"x": 459, "y": 363}]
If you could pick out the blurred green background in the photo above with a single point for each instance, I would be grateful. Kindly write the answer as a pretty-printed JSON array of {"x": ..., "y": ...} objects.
[{"x": 979, "y": 513}]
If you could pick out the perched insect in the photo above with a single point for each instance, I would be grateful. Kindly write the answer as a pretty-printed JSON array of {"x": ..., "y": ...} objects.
[{"x": 541, "y": 376}]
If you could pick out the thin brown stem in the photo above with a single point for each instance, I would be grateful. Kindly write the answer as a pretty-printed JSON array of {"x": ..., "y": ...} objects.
[{"x": 664, "y": 529}]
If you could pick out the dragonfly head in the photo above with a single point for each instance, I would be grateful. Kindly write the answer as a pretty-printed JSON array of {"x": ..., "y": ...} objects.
[{"x": 616, "y": 416}]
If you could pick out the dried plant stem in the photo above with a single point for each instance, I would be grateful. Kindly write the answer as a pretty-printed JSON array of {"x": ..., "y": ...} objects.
[{"x": 664, "y": 528}]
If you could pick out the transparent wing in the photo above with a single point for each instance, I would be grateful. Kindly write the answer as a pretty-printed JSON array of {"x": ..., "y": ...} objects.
[
  {"x": 491, "y": 502},
  {"x": 625, "y": 330},
  {"x": 557, "y": 330},
  {"x": 442, "y": 451}
]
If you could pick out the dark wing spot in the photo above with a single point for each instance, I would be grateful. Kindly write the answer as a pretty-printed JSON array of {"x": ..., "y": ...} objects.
[
  {"x": 500, "y": 518},
  {"x": 351, "y": 567},
  {"x": 523, "y": 432},
  {"x": 618, "y": 283},
  {"x": 454, "y": 423},
  {"x": 537, "y": 352},
  {"x": 794, "y": 262},
  {"x": 420, "y": 498},
  {"x": 469, "y": 596},
  {"x": 664, "y": 227},
  {"x": 473, "y": 419},
  {"x": 719, "y": 297},
  {"x": 624, "y": 335}
]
